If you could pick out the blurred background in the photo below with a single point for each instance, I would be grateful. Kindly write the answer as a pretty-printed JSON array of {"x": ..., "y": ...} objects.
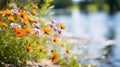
[
  {"x": 95, "y": 24},
  {"x": 92, "y": 26}
]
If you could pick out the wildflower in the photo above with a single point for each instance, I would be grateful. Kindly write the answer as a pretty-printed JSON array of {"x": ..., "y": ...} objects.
[
  {"x": 15, "y": 11},
  {"x": 28, "y": 30},
  {"x": 36, "y": 25},
  {"x": 52, "y": 25},
  {"x": 25, "y": 22},
  {"x": 31, "y": 19},
  {"x": 37, "y": 31},
  {"x": 29, "y": 48},
  {"x": 59, "y": 31},
  {"x": 62, "y": 26},
  {"x": 3, "y": 23},
  {"x": 9, "y": 12},
  {"x": 24, "y": 15},
  {"x": 55, "y": 58},
  {"x": 34, "y": 6},
  {"x": 42, "y": 49},
  {"x": 14, "y": 25},
  {"x": 11, "y": 18},
  {"x": 47, "y": 30},
  {"x": 34, "y": 12},
  {"x": 55, "y": 28},
  {"x": 19, "y": 32},
  {"x": 53, "y": 22},
  {"x": 38, "y": 41},
  {"x": 62, "y": 44},
  {"x": 68, "y": 51},
  {"x": 55, "y": 39}
]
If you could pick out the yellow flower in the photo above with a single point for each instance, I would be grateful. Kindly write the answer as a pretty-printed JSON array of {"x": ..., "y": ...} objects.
[
  {"x": 1, "y": 12},
  {"x": 42, "y": 49},
  {"x": 47, "y": 30},
  {"x": 31, "y": 19},
  {"x": 11, "y": 18},
  {"x": 68, "y": 51},
  {"x": 62, "y": 44},
  {"x": 34, "y": 6},
  {"x": 55, "y": 39},
  {"x": 25, "y": 22},
  {"x": 55, "y": 58},
  {"x": 38, "y": 41},
  {"x": 33, "y": 11},
  {"x": 29, "y": 48},
  {"x": 62, "y": 26},
  {"x": 24, "y": 15},
  {"x": 9, "y": 12}
]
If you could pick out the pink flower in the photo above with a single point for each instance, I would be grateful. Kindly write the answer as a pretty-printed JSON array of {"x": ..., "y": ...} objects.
[
  {"x": 37, "y": 31},
  {"x": 55, "y": 28},
  {"x": 59, "y": 31},
  {"x": 52, "y": 25},
  {"x": 36, "y": 25},
  {"x": 15, "y": 11},
  {"x": 14, "y": 25},
  {"x": 52, "y": 21}
]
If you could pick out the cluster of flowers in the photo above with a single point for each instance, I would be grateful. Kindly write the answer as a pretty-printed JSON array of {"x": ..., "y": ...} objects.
[{"x": 25, "y": 23}]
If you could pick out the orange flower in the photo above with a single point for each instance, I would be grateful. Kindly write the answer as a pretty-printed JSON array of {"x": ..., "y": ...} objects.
[
  {"x": 62, "y": 26},
  {"x": 62, "y": 44},
  {"x": 42, "y": 49},
  {"x": 24, "y": 15},
  {"x": 47, "y": 30},
  {"x": 19, "y": 32},
  {"x": 55, "y": 39},
  {"x": 38, "y": 41},
  {"x": 3, "y": 23},
  {"x": 34, "y": 12},
  {"x": 34, "y": 6},
  {"x": 55, "y": 58},
  {"x": 11, "y": 18},
  {"x": 9, "y": 12},
  {"x": 68, "y": 51},
  {"x": 28, "y": 30},
  {"x": 29, "y": 48}
]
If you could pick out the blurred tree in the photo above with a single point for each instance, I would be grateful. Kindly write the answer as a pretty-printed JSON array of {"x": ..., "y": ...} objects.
[
  {"x": 62, "y": 3},
  {"x": 108, "y": 5},
  {"x": 114, "y": 5}
]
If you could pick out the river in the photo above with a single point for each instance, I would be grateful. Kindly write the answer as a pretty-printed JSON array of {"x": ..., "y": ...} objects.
[{"x": 97, "y": 27}]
